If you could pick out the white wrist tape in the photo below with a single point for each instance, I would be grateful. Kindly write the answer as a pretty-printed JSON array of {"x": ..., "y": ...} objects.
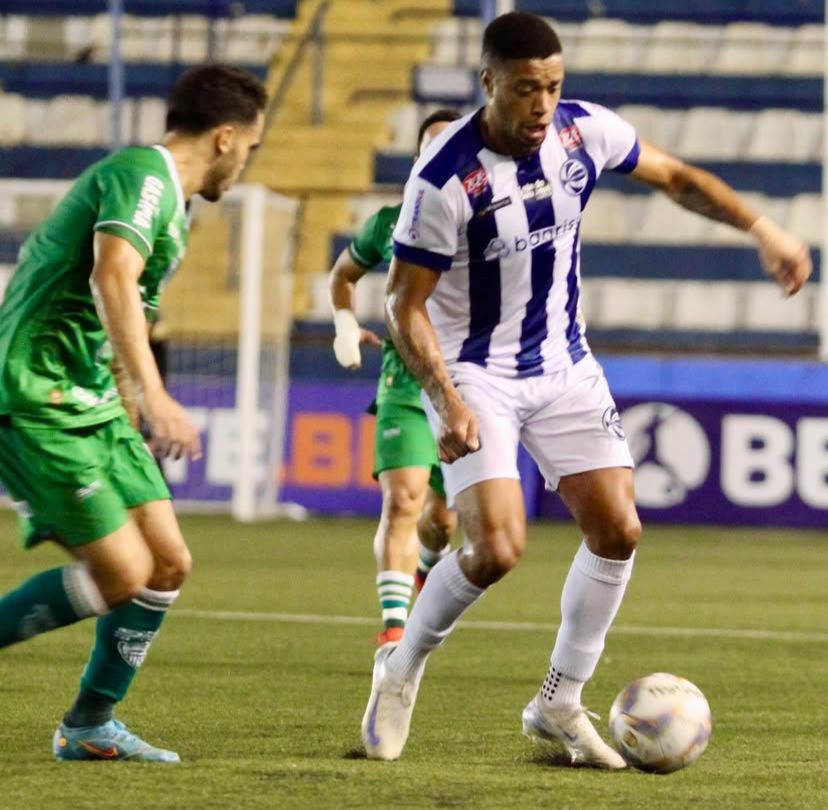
[{"x": 346, "y": 343}]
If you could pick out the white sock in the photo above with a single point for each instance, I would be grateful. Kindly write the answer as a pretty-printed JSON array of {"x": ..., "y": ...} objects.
[
  {"x": 445, "y": 597},
  {"x": 590, "y": 599}
]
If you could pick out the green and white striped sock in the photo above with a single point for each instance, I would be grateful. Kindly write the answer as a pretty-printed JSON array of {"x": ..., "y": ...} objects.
[{"x": 394, "y": 589}]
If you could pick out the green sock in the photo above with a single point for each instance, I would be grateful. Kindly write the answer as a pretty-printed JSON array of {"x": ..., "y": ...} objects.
[
  {"x": 122, "y": 639},
  {"x": 428, "y": 559},
  {"x": 55, "y": 598},
  {"x": 394, "y": 590}
]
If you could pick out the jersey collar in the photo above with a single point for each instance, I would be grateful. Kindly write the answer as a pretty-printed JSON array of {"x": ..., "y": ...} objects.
[{"x": 173, "y": 170}]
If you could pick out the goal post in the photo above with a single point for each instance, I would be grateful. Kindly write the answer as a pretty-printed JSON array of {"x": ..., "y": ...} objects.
[{"x": 265, "y": 302}]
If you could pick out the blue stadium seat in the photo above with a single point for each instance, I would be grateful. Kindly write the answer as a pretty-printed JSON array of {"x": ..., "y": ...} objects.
[
  {"x": 458, "y": 85},
  {"x": 46, "y": 80},
  {"x": 645, "y": 11},
  {"x": 154, "y": 8}
]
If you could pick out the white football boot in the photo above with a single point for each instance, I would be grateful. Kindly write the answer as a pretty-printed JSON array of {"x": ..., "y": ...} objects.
[
  {"x": 571, "y": 727},
  {"x": 387, "y": 716}
]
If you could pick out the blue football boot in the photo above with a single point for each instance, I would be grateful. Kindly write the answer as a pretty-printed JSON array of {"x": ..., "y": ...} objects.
[{"x": 112, "y": 740}]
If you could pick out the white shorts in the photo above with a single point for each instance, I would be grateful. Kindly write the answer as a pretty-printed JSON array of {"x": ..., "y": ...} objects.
[{"x": 566, "y": 420}]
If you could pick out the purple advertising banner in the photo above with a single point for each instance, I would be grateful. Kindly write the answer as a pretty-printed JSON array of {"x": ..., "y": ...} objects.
[
  {"x": 725, "y": 462},
  {"x": 717, "y": 460}
]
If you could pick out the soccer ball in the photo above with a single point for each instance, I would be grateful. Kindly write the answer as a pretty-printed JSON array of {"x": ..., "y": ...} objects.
[{"x": 660, "y": 723}]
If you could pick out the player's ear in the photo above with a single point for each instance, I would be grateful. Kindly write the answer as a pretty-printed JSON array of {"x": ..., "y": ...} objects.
[
  {"x": 487, "y": 80},
  {"x": 223, "y": 138}
]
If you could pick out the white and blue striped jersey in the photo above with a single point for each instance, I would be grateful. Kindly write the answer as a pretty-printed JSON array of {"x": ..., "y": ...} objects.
[{"x": 504, "y": 234}]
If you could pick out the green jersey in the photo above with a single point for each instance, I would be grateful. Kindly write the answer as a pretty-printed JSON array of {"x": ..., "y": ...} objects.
[
  {"x": 54, "y": 352},
  {"x": 372, "y": 246}
]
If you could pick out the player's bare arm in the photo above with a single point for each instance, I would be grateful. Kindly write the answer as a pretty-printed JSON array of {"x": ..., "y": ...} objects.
[
  {"x": 114, "y": 283},
  {"x": 409, "y": 286},
  {"x": 349, "y": 335},
  {"x": 782, "y": 254}
]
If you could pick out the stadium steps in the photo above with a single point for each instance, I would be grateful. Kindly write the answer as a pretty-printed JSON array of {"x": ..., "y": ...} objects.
[
  {"x": 201, "y": 299},
  {"x": 369, "y": 53}
]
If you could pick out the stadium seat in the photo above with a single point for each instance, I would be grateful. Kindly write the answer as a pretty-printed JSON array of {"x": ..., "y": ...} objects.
[
  {"x": 752, "y": 48},
  {"x": 12, "y": 118},
  {"x": 607, "y": 44},
  {"x": 607, "y": 217},
  {"x": 766, "y": 309},
  {"x": 807, "y": 54},
  {"x": 14, "y": 32},
  {"x": 362, "y": 206},
  {"x": 665, "y": 222},
  {"x": 662, "y": 127},
  {"x": 680, "y": 47},
  {"x": 444, "y": 84},
  {"x": 63, "y": 120},
  {"x": 713, "y": 133},
  {"x": 625, "y": 303},
  {"x": 806, "y": 218},
  {"x": 700, "y": 305},
  {"x": 786, "y": 135}
]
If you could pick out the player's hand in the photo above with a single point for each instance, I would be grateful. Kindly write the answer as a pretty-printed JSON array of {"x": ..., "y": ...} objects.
[
  {"x": 783, "y": 255},
  {"x": 458, "y": 431},
  {"x": 369, "y": 338},
  {"x": 172, "y": 434},
  {"x": 347, "y": 340}
]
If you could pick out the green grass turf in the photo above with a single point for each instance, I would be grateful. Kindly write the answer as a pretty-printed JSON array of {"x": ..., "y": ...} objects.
[{"x": 266, "y": 713}]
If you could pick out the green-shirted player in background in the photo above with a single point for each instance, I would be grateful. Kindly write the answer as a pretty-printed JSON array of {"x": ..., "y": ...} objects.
[
  {"x": 83, "y": 293},
  {"x": 405, "y": 454}
]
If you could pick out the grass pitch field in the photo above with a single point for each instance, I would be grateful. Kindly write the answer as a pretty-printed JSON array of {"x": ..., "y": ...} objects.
[{"x": 261, "y": 674}]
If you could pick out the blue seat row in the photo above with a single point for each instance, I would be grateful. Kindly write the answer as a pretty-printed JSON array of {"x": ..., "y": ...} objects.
[
  {"x": 774, "y": 12},
  {"x": 153, "y": 8},
  {"x": 772, "y": 179},
  {"x": 49, "y": 79},
  {"x": 670, "y": 91},
  {"x": 657, "y": 262}
]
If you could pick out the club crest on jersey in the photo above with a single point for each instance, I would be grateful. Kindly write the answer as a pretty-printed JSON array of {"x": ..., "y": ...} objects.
[
  {"x": 611, "y": 421},
  {"x": 571, "y": 138},
  {"x": 475, "y": 182},
  {"x": 574, "y": 177}
]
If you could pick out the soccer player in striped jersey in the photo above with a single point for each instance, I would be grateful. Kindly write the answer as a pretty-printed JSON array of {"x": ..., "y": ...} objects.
[
  {"x": 83, "y": 294},
  {"x": 405, "y": 454},
  {"x": 482, "y": 305}
]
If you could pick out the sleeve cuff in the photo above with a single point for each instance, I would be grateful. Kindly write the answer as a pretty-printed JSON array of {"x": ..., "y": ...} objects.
[
  {"x": 629, "y": 163},
  {"x": 126, "y": 231},
  {"x": 422, "y": 257}
]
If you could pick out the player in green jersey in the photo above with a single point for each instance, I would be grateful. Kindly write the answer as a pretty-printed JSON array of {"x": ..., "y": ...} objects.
[
  {"x": 405, "y": 454},
  {"x": 84, "y": 291}
]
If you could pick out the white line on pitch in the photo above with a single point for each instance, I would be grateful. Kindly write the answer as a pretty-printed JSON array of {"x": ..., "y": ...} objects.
[{"x": 623, "y": 629}]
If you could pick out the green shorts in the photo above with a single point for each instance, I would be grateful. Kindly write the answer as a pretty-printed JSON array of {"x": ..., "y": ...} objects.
[
  {"x": 75, "y": 485},
  {"x": 403, "y": 439}
]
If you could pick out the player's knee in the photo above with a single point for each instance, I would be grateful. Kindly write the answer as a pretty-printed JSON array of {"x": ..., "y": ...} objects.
[
  {"x": 621, "y": 538},
  {"x": 170, "y": 573},
  {"x": 126, "y": 583},
  {"x": 494, "y": 558},
  {"x": 401, "y": 504}
]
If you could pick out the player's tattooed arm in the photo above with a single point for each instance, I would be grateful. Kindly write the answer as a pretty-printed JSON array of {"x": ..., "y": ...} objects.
[
  {"x": 783, "y": 256},
  {"x": 693, "y": 188},
  {"x": 409, "y": 326}
]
